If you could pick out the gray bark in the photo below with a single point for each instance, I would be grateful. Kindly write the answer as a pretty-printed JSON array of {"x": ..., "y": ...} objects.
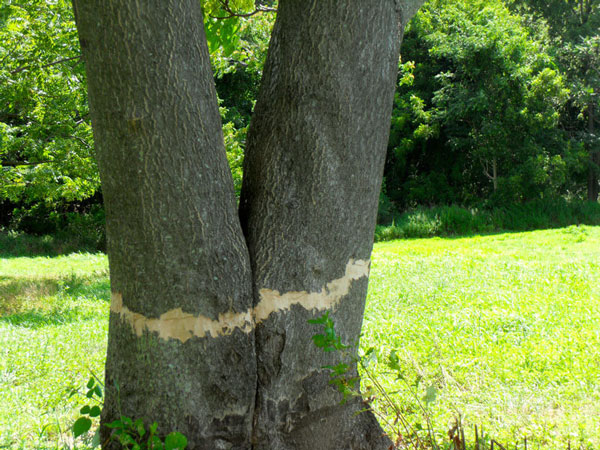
[
  {"x": 312, "y": 176},
  {"x": 208, "y": 330},
  {"x": 174, "y": 239},
  {"x": 593, "y": 188}
]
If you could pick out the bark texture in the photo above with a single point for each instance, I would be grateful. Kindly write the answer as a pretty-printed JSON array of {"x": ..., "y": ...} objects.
[
  {"x": 208, "y": 331},
  {"x": 593, "y": 187},
  {"x": 174, "y": 239},
  {"x": 312, "y": 175}
]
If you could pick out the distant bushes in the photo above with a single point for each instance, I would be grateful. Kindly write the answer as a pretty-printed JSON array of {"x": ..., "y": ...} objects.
[
  {"x": 36, "y": 231},
  {"x": 456, "y": 220}
]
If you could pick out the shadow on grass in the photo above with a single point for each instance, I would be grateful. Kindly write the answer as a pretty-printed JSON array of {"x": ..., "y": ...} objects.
[
  {"x": 39, "y": 319},
  {"x": 14, "y": 245},
  {"x": 34, "y": 303}
]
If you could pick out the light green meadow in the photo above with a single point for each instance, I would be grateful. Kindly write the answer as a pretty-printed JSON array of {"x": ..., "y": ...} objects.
[
  {"x": 505, "y": 327},
  {"x": 53, "y": 327}
]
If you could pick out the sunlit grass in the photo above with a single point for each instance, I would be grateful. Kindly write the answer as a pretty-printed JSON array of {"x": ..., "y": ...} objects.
[
  {"x": 52, "y": 334},
  {"x": 506, "y": 327}
]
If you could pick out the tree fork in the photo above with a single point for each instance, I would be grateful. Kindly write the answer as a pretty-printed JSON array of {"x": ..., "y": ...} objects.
[{"x": 208, "y": 329}]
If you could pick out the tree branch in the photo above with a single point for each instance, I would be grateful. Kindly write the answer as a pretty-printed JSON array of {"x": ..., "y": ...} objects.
[
  {"x": 231, "y": 13},
  {"x": 54, "y": 63}
]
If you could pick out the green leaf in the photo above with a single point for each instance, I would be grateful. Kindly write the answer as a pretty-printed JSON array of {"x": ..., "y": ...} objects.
[
  {"x": 175, "y": 441},
  {"x": 319, "y": 340},
  {"x": 114, "y": 424},
  {"x": 127, "y": 421},
  {"x": 90, "y": 383},
  {"x": 85, "y": 409},
  {"x": 126, "y": 439},
  {"x": 154, "y": 443},
  {"x": 95, "y": 411},
  {"x": 140, "y": 428},
  {"x": 98, "y": 391},
  {"x": 81, "y": 426},
  {"x": 339, "y": 369}
]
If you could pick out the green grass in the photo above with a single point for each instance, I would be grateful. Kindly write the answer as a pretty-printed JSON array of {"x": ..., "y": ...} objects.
[
  {"x": 52, "y": 334},
  {"x": 454, "y": 220},
  {"x": 506, "y": 327}
]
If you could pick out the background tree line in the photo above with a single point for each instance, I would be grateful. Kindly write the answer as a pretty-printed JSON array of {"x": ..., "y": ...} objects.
[{"x": 497, "y": 105}]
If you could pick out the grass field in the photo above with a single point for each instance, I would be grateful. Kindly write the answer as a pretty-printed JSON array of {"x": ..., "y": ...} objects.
[
  {"x": 53, "y": 326},
  {"x": 505, "y": 327}
]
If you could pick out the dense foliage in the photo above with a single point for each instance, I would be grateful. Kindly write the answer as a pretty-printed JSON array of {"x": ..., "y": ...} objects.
[
  {"x": 574, "y": 27},
  {"x": 47, "y": 169},
  {"x": 46, "y": 147},
  {"x": 477, "y": 110},
  {"x": 497, "y": 105}
]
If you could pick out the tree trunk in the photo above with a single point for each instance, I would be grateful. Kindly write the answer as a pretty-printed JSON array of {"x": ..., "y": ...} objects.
[
  {"x": 312, "y": 175},
  {"x": 592, "y": 186},
  {"x": 208, "y": 330},
  {"x": 181, "y": 347}
]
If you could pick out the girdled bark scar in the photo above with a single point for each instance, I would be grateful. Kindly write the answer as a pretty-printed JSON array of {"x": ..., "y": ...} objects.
[{"x": 177, "y": 324}]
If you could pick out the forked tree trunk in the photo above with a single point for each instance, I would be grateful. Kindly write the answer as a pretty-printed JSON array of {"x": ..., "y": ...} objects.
[{"x": 208, "y": 330}]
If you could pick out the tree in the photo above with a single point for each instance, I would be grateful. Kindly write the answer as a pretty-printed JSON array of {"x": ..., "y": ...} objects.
[
  {"x": 479, "y": 120},
  {"x": 574, "y": 26},
  {"x": 208, "y": 331}
]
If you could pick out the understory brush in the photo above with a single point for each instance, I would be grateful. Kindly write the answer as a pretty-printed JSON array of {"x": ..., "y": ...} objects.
[{"x": 455, "y": 220}]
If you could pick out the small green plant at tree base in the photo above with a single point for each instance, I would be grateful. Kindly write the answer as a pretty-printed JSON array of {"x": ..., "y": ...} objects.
[
  {"x": 330, "y": 342},
  {"x": 131, "y": 434},
  {"x": 344, "y": 379},
  {"x": 88, "y": 412}
]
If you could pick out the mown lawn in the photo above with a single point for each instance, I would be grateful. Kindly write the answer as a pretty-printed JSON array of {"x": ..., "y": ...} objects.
[{"x": 505, "y": 327}]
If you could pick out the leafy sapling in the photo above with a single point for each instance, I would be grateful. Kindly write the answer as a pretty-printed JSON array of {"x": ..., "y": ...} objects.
[
  {"x": 131, "y": 434},
  {"x": 89, "y": 412},
  {"x": 341, "y": 374}
]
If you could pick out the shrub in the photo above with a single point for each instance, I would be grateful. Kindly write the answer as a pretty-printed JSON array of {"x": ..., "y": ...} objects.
[{"x": 456, "y": 220}]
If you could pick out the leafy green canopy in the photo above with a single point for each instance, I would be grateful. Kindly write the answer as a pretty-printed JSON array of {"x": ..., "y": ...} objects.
[
  {"x": 476, "y": 111},
  {"x": 46, "y": 148},
  {"x": 46, "y": 142},
  {"x": 574, "y": 27}
]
